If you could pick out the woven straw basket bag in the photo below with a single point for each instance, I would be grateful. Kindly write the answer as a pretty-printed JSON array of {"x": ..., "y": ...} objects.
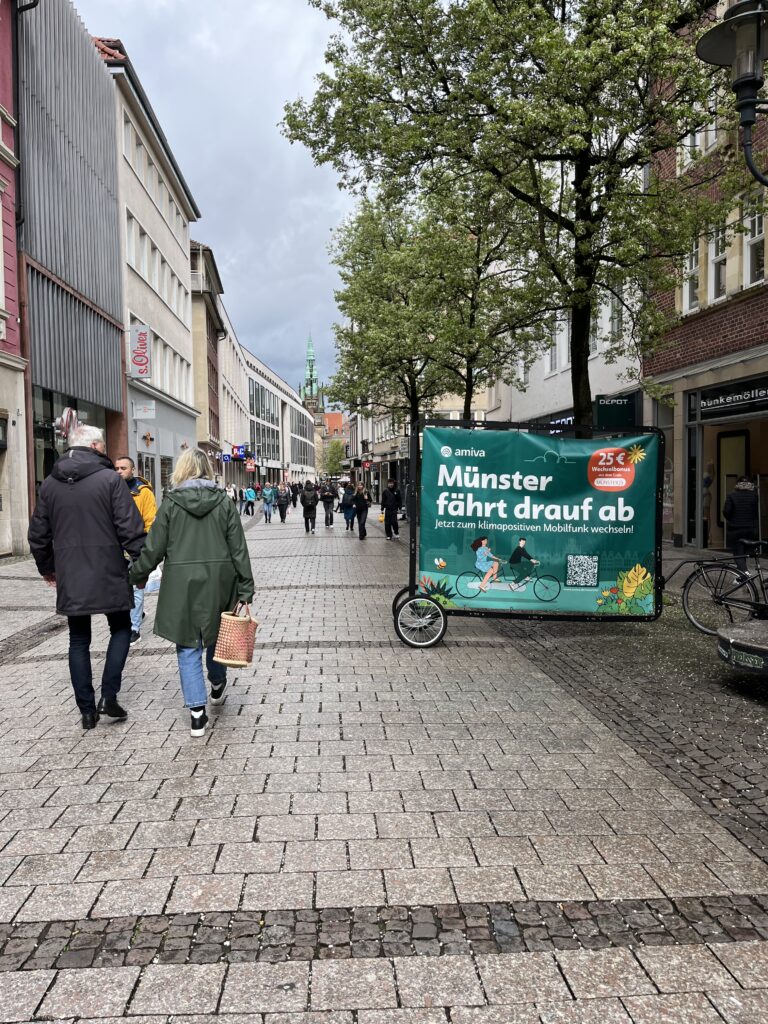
[{"x": 234, "y": 646}]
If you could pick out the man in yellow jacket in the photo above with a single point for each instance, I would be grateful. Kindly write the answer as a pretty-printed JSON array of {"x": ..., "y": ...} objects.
[{"x": 144, "y": 497}]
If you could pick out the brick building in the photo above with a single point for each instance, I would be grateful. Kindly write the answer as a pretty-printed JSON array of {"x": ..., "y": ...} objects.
[{"x": 714, "y": 360}]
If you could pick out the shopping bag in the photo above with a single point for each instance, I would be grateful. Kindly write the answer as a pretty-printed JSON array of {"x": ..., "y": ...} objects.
[
  {"x": 381, "y": 517},
  {"x": 154, "y": 580},
  {"x": 234, "y": 645}
]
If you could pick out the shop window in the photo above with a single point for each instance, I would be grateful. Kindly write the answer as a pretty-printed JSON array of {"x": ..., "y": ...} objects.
[
  {"x": 691, "y": 278},
  {"x": 166, "y": 469},
  {"x": 754, "y": 244},
  {"x": 718, "y": 249},
  {"x": 146, "y": 467}
]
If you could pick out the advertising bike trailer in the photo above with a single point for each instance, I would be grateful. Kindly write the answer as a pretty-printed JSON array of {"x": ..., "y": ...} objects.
[{"x": 515, "y": 520}]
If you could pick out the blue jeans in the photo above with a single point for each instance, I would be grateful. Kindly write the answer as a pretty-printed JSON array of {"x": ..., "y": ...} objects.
[
  {"x": 137, "y": 612},
  {"x": 80, "y": 657},
  {"x": 193, "y": 687},
  {"x": 268, "y": 511}
]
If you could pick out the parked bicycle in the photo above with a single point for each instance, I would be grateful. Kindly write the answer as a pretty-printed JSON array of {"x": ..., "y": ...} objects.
[
  {"x": 718, "y": 594},
  {"x": 545, "y": 587}
]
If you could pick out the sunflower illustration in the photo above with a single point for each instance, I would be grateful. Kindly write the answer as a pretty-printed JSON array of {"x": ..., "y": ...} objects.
[{"x": 636, "y": 454}]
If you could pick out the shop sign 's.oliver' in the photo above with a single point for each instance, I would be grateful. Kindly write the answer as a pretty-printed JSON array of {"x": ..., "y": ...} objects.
[{"x": 140, "y": 362}]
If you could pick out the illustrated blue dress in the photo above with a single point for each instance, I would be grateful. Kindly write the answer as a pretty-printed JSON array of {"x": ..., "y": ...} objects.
[{"x": 483, "y": 560}]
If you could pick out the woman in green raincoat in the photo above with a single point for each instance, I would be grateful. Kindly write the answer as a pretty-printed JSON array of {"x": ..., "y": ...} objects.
[{"x": 207, "y": 571}]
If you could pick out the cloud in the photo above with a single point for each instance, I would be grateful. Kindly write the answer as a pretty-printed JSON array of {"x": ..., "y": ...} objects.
[{"x": 218, "y": 76}]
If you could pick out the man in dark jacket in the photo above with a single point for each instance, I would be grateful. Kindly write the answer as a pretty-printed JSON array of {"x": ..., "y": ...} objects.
[
  {"x": 84, "y": 522},
  {"x": 328, "y": 498},
  {"x": 741, "y": 512},
  {"x": 391, "y": 503},
  {"x": 309, "y": 501}
]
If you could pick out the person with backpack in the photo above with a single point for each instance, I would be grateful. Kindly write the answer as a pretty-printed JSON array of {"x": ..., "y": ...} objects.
[
  {"x": 282, "y": 501},
  {"x": 348, "y": 507},
  {"x": 309, "y": 501},
  {"x": 268, "y": 495},
  {"x": 362, "y": 502},
  {"x": 207, "y": 571},
  {"x": 295, "y": 490},
  {"x": 391, "y": 503},
  {"x": 328, "y": 498},
  {"x": 250, "y": 498}
]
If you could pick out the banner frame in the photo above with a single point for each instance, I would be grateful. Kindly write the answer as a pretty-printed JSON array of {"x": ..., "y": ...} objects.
[{"x": 583, "y": 432}]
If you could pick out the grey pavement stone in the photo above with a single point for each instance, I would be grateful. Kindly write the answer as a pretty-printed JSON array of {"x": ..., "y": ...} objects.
[
  {"x": 20, "y": 993},
  {"x": 287, "y": 891},
  {"x": 349, "y": 889},
  {"x": 438, "y": 981},
  {"x": 747, "y": 962},
  {"x": 521, "y": 978},
  {"x": 266, "y": 988},
  {"x": 132, "y": 896},
  {"x": 591, "y": 1011},
  {"x": 601, "y": 973},
  {"x": 59, "y": 902},
  {"x": 379, "y": 853},
  {"x": 419, "y": 887},
  {"x": 685, "y": 969},
  {"x": 742, "y": 1007},
  {"x": 205, "y": 892},
  {"x": 101, "y": 992},
  {"x": 672, "y": 1009},
  {"x": 178, "y": 989},
  {"x": 352, "y": 985}
]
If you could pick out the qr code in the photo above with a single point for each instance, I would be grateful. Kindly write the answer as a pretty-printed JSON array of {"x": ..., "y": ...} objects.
[{"x": 582, "y": 571}]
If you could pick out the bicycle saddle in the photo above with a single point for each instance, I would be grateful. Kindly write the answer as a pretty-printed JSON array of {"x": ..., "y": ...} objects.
[{"x": 753, "y": 544}]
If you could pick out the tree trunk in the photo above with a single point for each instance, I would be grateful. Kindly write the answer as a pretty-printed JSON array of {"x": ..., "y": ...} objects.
[
  {"x": 469, "y": 393},
  {"x": 581, "y": 298}
]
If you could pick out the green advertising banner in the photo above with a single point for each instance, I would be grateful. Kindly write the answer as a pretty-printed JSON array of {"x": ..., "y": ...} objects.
[{"x": 535, "y": 524}]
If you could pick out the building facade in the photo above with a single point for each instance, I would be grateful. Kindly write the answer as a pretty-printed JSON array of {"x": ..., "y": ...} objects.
[
  {"x": 156, "y": 209},
  {"x": 235, "y": 416},
  {"x": 281, "y": 429},
  {"x": 208, "y": 331},
  {"x": 14, "y": 496},
  {"x": 71, "y": 296}
]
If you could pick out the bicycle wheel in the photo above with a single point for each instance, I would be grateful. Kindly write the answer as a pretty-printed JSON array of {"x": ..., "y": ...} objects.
[
  {"x": 703, "y": 601},
  {"x": 468, "y": 585},
  {"x": 546, "y": 588},
  {"x": 396, "y": 599},
  {"x": 420, "y": 622}
]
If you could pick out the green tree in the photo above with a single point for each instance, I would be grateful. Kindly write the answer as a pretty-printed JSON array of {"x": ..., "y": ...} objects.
[
  {"x": 568, "y": 107},
  {"x": 434, "y": 300},
  {"x": 335, "y": 454}
]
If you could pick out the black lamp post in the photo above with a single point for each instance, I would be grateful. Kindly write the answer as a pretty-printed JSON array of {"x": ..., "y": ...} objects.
[{"x": 738, "y": 43}]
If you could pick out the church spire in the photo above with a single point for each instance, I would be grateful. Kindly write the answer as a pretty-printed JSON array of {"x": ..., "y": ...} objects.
[{"x": 310, "y": 389}]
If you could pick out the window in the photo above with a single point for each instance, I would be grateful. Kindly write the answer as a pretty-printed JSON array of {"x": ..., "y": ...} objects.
[
  {"x": 143, "y": 254},
  {"x": 166, "y": 469},
  {"x": 130, "y": 238},
  {"x": 691, "y": 278},
  {"x": 147, "y": 468},
  {"x": 594, "y": 330},
  {"x": 127, "y": 137},
  {"x": 154, "y": 268},
  {"x": 754, "y": 243},
  {"x": 551, "y": 357},
  {"x": 718, "y": 250},
  {"x": 617, "y": 317}
]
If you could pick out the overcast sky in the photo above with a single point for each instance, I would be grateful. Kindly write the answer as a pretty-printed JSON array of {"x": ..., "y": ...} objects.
[{"x": 217, "y": 75}]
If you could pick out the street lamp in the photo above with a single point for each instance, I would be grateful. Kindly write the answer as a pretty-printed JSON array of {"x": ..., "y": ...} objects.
[{"x": 738, "y": 43}]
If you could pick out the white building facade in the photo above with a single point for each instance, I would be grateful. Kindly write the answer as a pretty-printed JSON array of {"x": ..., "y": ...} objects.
[
  {"x": 234, "y": 413},
  {"x": 156, "y": 210},
  {"x": 281, "y": 430}
]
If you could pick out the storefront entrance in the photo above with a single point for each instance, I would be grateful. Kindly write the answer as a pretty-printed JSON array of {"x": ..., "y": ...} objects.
[{"x": 726, "y": 437}]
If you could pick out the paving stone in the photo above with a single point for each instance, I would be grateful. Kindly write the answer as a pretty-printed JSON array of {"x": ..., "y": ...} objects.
[
  {"x": 485, "y": 884},
  {"x": 685, "y": 969},
  {"x": 182, "y": 860},
  {"x": 101, "y": 992},
  {"x": 672, "y": 1009},
  {"x": 589, "y": 1011},
  {"x": 20, "y": 993},
  {"x": 438, "y": 981},
  {"x": 313, "y": 856},
  {"x": 747, "y": 962},
  {"x": 620, "y": 881},
  {"x": 379, "y": 854},
  {"x": 110, "y": 865},
  {"x": 205, "y": 892},
  {"x": 349, "y": 888},
  {"x": 409, "y": 1016},
  {"x": 519, "y": 1014},
  {"x": 178, "y": 989},
  {"x": 419, "y": 887},
  {"x": 598, "y": 974},
  {"x": 521, "y": 978},
  {"x": 288, "y": 891},
  {"x": 266, "y": 988},
  {"x": 550, "y": 883},
  {"x": 352, "y": 985},
  {"x": 742, "y": 1007},
  {"x": 59, "y": 902}
]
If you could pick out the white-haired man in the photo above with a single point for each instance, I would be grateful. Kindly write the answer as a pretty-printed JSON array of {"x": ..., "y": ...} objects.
[{"x": 84, "y": 521}]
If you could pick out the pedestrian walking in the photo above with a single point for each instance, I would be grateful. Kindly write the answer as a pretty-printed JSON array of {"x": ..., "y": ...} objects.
[
  {"x": 295, "y": 489},
  {"x": 231, "y": 493},
  {"x": 268, "y": 495},
  {"x": 339, "y": 496},
  {"x": 207, "y": 571},
  {"x": 144, "y": 497},
  {"x": 741, "y": 513},
  {"x": 282, "y": 501},
  {"x": 391, "y": 503},
  {"x": 250, "y": 498},
  {"x": 241, "y": 499},
  {"x": 362, "y": 502},
  {"x": 348, "y": 507},
  {"x": 84, "y": 522},
  {"x": 328, "y": 498},
  {"x": 309, "y": 501}
]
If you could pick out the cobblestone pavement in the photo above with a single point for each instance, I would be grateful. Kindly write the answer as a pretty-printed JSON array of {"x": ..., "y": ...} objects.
[{"x": 534, "y": 823}]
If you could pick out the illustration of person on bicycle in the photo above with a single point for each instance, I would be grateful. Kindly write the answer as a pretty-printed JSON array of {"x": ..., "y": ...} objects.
[
  {"x": 485, "y": 561},
  {"x": 521, "y": 571}
]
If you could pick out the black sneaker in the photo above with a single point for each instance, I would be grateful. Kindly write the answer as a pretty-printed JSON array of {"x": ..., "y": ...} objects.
[
  {"x": 217, "y": 692},
  {"x": 108, "y": 706},
  {"x": 199, "y": 722},
  {"x": 135, "y": 637}
]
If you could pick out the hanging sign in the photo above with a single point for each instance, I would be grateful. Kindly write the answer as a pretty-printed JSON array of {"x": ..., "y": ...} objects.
[
  {"x": 514, "y": 521},
  {"x": 140, "y": 352}
]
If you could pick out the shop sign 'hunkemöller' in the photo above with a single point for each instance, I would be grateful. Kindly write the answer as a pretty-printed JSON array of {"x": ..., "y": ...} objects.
[{"x": 518, "y": 522}]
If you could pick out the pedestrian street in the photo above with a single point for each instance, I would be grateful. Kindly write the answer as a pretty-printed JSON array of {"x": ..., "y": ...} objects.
[{"x": 366, "y": 834}]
